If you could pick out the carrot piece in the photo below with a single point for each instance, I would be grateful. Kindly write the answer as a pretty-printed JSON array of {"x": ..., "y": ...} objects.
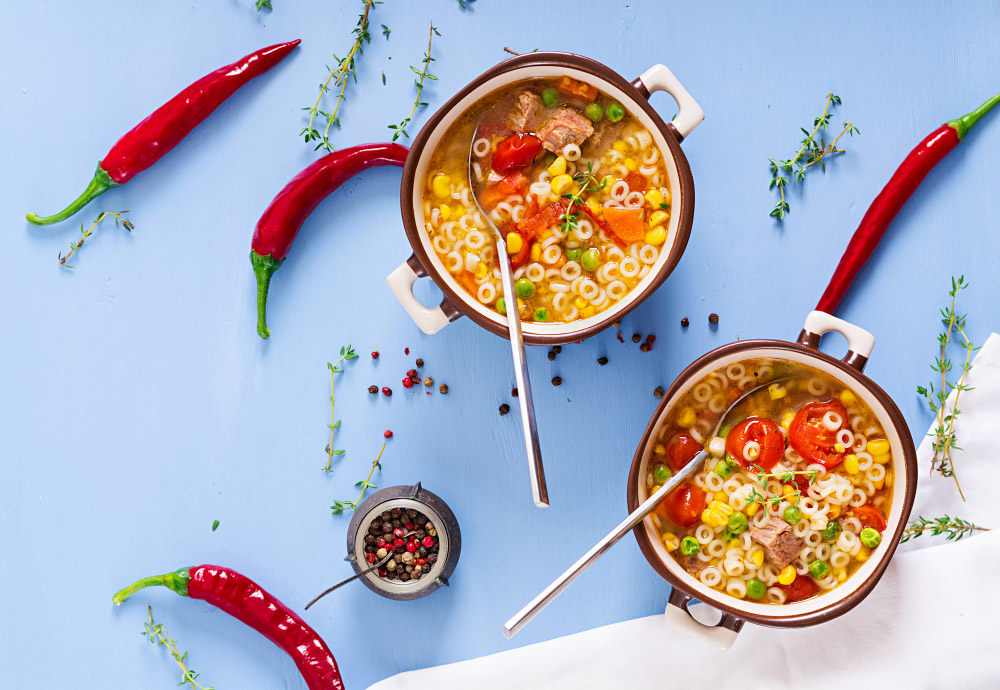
[
  {"x": 514, "y": 183},
  {"x": 602, "y": 225},
  {"x": 626, "y": 223},
  {"x": 574, "y": 87},
  {"x": 529, "y": 227},
  {"x": 636, "y": 182}
]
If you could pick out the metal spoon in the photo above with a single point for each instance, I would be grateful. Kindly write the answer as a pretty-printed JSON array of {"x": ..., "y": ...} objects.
[
  {"x": 539, "y": 491},
  {"x": 545, "y": 597}
]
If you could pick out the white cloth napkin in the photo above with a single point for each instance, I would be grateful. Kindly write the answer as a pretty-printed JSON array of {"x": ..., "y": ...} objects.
[{"x": 930, "y": 622}]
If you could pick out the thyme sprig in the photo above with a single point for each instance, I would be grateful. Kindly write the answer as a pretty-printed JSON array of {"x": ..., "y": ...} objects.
[
  {"x": 786, "y": 477},
  {"x": 585, "y": 183},
  {"x": 813, "y": 152},
  {"x": 422, "y": 75},
  {"x": 952, "y": 528},
  {"x": 945, "y": 438},
  {"x": 347, "y": 353},
  {"x": 339, "y": 507},
  {"x": 73, "y": 246},
  {"x": 158, "y": 635},
  {"x": 339, "y": 76}
]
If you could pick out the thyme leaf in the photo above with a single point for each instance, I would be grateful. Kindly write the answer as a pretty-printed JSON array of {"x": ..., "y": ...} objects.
[
  {"x": 73, "y": 246},
  {"x": 952, "y": 528},
  {"x": 158, "y": 635},
  {"x": 422, "y": 75}
]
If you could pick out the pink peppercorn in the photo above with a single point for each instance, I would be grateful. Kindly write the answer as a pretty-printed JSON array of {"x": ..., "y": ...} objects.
[
  {"x": 386, "y": 391},
  {"x": 411, "y": 547},
  {"x": 428, "y": 542},
  {"x": 387, "y": 434},
  {"x": 374, "y": 354}
]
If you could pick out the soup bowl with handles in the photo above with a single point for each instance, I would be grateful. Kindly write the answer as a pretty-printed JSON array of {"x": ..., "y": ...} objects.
[
  {"x": 839, "y": 600},
  {"x": 634, "y": 96}
]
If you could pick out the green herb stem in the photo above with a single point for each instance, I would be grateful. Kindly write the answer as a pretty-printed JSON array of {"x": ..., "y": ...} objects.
[
  {"x": 422, "y": 75},
  {"x": 347, "y": 353},
  {"x": 952, "y": 528},
  {"x": 158, "y": 635},
  {"x": 120, "y": 221}
]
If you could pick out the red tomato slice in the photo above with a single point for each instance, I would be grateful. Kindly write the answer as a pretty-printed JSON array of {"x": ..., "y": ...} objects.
[
  {"x": 514, "y": 183},
  {"x": 681, "y": 450},
  {"x": 802, "y": 588},
  {"x": 870, "y": 516},
  {"x": 811, "y": 439},
  {"x": 636, "y": 182},
  {"x": 515, "y": 152},
  {"x": 762, "y": 431},
  {"x": 532, "y": 225},
  {"x": 683, "y": 505}
]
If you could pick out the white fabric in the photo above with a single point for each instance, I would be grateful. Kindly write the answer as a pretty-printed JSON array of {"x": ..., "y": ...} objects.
[{"x": 928, "y": 624}]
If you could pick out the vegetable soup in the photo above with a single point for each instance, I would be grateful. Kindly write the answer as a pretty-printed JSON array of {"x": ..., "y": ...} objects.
[
  {"x": 574, "y": 182},
  {"x": 796, "y": 490}
]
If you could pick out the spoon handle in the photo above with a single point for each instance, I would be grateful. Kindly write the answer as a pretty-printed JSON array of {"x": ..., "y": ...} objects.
[
  {"x": 539, "y": 491},
  {"x": 545, "y": 597}
]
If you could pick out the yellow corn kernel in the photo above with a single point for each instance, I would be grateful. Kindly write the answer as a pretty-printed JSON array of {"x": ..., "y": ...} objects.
[
  {"x": 593, "y": 205},
  {"x": 863, "y": 553},
  {"x": 776, "y": 391},
  {"x": 888, "y": 479},
  {"x": 445, "y": 211},
  {"x": 714, "y": 561},
  {"x": 659, "y": 449},
  {"x": 561, "y": 183},
  {"x": 441, "y": 185},
  {"x": 841, "y": 574},
  {"x": 558, "y": 166},
  {"x": 786, "y": 489},
  {"x": 587, "y": 311},
  {"x": 619, "y": 146},
  {"x": 654, "y": 197},
  {"x": 882, "y": 459},
  {"x": 520, "y": 302},
  {"x": 757, "y": 556},
  {"x": 608, "y": 181},
  {"x": 670, "y": 541},
  {"x": 751, "y": 510},
  {"x": 631, "y": 164},
  {"x": 657, "y": 217},
  {"x": 733, "y": 544},
  {"x": 712, "y": 518},
  {"x": 787, "y": 575},
  {"x": 847, "y": 397},
  {"x": 656, "y": 236},
  {"x": 878, "y": 447},
  {"x": 481, "y": 270},
  {"x": 839, "y": 447},
  {"x": 851, "y": 464},
  {"x": 580, "y": 302},
  {"x": 536, "y": 251},
  {"x": 546, "y": 235},
  {"x": 786, "y": 419},
  {"x": 722, "y": 498},
  {"x": 834, "y": 511},
  {"x": 514, "y": 243},
  {"x": 879, "y": 484},
  {"x": 687, "y": 417}
]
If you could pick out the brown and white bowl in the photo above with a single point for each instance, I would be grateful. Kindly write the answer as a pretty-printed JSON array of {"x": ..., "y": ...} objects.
[
  {"x": 847, "y": 371},
  {"x": 634, "y": 95}
]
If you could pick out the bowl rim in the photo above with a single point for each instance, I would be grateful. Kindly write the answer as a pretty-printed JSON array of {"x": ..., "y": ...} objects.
[
  {"x": 455, "y": 303},
  {"x": 905, "y": 471}
]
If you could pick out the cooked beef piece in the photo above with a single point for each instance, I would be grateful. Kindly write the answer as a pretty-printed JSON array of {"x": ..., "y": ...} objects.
[
  {"x": 693, "y": 564},
  {"x": 565, "y": 126},
  {"x": 523, "y": 112},
  {"x": 604, "y": 136},
  {"x": 781, "y": 547}
]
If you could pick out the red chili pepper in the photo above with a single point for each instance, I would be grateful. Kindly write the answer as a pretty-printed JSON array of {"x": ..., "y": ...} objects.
[
  {"x": 901, "y": 186},
  {"x": 152, "y": 138},
  {"x": 277, "y": 228},
  {"x": 248, "y": 602}
]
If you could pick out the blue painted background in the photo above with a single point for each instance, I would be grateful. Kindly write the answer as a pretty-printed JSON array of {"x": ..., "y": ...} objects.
[{"x": 138, "y": 405}]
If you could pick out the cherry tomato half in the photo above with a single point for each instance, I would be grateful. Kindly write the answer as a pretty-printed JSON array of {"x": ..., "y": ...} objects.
[
  {"x": 514, "y": 183},
  {"x": 681, "y": 449},
  {"x": 765, "y": 433},
  {"x": 516, "y": 152},
  {"x": 812, "y": 440},
  {"x": 870, "y": 516},
  {"x": 802, "y": 588},
  {"x": 683, "y": 505}
]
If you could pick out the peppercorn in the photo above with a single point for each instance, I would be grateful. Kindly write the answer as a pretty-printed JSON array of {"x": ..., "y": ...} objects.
[
  {"x": 658, "y": 392},
  {"x": 443, "y": 388},
  {"x": 386, "y": 391},
  {"x": 411, "y": 513},
  {"x": 428, "y": 382},
  {"x": 644, "y": 347},
  {"x": 602, "y": 360},
  {"x": 388, "y": 433},
  {"x": 407, "y": 383},
  {"x": 636, "y": 337},
  {"x": 374, "y": 354},
  {"x": 415, "y": 380},
  {"x": 432, "y": 558},
  {"x": 513, "y": 392},
  {"x": 504, "y": 409},
  {"x": 557, "y": 349},
  {"x": 616, "y": 324},
  {"x": 385, "y": 515},
  {"x": 419, "y": 362},
  {"x": 386, "y": 528},
  {"x": 552, "y": 355},
  {"x": 411, "y": 373},
  {"x": 423, "y": 551},
  {"x": 556, "y": 381},
  {"x": 713, "y": 318},
  {"x": 403, "y": 577},
  {"x": 650, "y": 339},
  {"x": 395, "y": 513},
  {"x": 684, "y": 322},
  {"x": 369, "y": 538}
]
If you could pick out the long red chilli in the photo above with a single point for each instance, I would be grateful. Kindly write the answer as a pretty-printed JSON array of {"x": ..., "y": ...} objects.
[
  {"x": 248, "y": 602},
  {"x": 277, "y": 228},
  {"x": 152, "y": 138},
  {"x": 886, "y": 205}
]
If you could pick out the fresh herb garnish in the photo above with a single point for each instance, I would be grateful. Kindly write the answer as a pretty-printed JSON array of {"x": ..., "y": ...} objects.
[
  {"x": 73, "y": 246},
  {"x": 952, "y": 528},
  {"x": 813, "y": 152},
  {"x": 347, "y": 353},
  {"x": 215, "y": 525},
  {"x": 339, "y": 507},
  {"x": 339, "y": 76},
  {"x": 585, "y": 183},
  {"x": 386, "y": 31},
  {"x": 945, "y": 438},
  {"x": 261, "y": 4},
  {"x": 158, "y": 635},
  {"x": 422, "y": 75}
]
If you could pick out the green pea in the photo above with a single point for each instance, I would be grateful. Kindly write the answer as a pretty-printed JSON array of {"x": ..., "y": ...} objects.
[
  {"x": 690, "y": 546},
  {"x": 524, "y": 288},
  {"x": 541, "y": 314},
  {"x": 594, "y": 112},
  {"x": 870, "y": 537},
  {"x": 756, "y": 589},
  {"x": 792, "y": 515},
  {"x": 590, "y": 260},
  {"x": 502, "y": 306},
  {"x": 819, "y": 569},
  {"x": 550, "y": 97},
  {"x": 661, "y": 474},
  {"x": 737, "y": 523},
  {"x": 573, "y": 254},
  {"x": 831, "y": 531},
  {"x": 723, "y": 469},
  {"x": 615, "y": 112}
]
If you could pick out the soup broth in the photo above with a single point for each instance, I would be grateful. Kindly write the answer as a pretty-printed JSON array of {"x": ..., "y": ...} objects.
[{"x": 795, "y": 494}]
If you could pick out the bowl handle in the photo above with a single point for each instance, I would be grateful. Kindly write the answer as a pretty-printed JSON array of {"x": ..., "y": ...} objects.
[
  {"x": 859, "y": 341},
  {"x": 429, "y": 320},
  {"x": 689, "y": 113},
  {"x": 721, "y": 635}
]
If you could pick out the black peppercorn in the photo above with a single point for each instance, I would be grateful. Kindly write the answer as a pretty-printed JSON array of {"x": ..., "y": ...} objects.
[
  {"x": 602, "y": 360},
  {"x": 403, "y": 577},
  {"x": 684, "y": 322},
  {"x": 420, "y": 533},
  {"x": 432, "y": 558},
  {"x": 386, "y": 528},
  {"x": 411, "y": 513},
  {"x": 552, "y": 355},
  {"x": 556, "y": 381},
  {"x": 423, "y": 551},
  {"x": 395, "y": 513},
  {"x": 504, "y": 409},
  {"x": 425, "y": 568},
  {"x": 644, "y": 347},
  {"x": 713, "y": 318},
  {"x": 370, "y": 538},
  {"x": 385, "y": 515},
  {"x": 373, "y": 389},
  {"x": 557, "y": 349},
  {"x": 658, "y": 392},
  {"x": 636, "y": 337},
  {"x": 370, "y": 548},
  {"x": 420, "y": 362}
]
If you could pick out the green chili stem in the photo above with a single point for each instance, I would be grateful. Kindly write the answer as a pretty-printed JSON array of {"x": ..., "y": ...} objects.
[
  {"x": 176, "y": 581},
  {"x": 263, "y": 267},
  {"x": 963, "y": 124},
  {"x": 101, "y": 183}
]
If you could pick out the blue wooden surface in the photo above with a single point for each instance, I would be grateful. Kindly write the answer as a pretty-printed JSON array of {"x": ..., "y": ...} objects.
[{"x": 138, "y": 405}]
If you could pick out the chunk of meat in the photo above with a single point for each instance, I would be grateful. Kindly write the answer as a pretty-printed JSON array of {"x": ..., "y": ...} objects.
[
  {"x": 693, "y": 564},
  {"x": 781, "y": 547},
  {"x": 564, "y": 127},
  {"x": 604, "y": 136},
  {"x": 525, "y": 107}
]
